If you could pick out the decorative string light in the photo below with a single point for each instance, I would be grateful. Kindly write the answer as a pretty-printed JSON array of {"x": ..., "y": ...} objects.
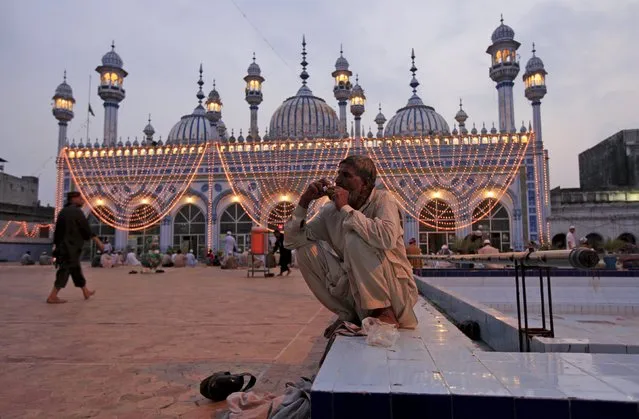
[
  {"x": 468, "y": 170},
  {"x": 142, "y": 184},
  {"x": 275, "y": 173},
  {"x": 13, "y": 229}
]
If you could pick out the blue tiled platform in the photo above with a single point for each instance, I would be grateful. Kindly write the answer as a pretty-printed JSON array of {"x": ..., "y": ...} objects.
[{"x": 436, "y": 372}]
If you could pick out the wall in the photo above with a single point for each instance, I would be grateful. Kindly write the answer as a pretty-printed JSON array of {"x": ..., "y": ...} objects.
[
  {"x": 13, "y": 251},
  {"x": 18, "y": 190},
  {"x": 613, "y": 163}
]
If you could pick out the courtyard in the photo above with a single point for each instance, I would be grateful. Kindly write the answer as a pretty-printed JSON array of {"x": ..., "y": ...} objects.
[{"x": 140, "y": 347}]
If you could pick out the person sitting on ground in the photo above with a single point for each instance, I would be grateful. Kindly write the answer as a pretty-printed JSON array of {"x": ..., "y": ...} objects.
[
  {"x": 488, "y": 249},
  {"x": 352, "y": 254},
  {"x": 26, "y": 259},
  {"x": 209, "y": 258},
  {"x": 191, "y": 262},
  {"x": 414, "y": 250},
  {"x": 179, "y": 261},
  {"x": 45, "y": 259},
  {"x": 117, "y": 258},
  {"x": 96, "y": 260},
  {"x": 167, "y": 262},
  {"x": 106, "y": 260},
  {"x": 133, "y": 262}
]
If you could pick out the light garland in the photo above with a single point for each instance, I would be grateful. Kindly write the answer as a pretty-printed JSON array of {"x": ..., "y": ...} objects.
[
  {"x": 275, "y": 173},
  {"x": 12, "y": 229},
  {"x": 411, "y": 166},
  {"x": 142, "y": 184}
]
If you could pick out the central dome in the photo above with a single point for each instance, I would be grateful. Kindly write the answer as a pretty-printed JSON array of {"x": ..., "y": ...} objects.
[
  {"x": 304, "y": 116},
  {"x": 415, "y": 118},
  {"x": 192, "y": 129}
]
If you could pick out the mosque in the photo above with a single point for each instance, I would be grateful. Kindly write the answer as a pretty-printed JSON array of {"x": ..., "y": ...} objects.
[{"x": 201, "y": 181}]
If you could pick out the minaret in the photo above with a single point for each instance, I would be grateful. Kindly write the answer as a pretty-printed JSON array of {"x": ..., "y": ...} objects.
[
  {"x": 358, "y": 101},
  {"x": 504, "y": 69},
  {"x": 111, "y": 92},
  {"x": 253, "y": 93},
  {"x": 535, "y": 82},
  {"x": 380, "y": 119},
  {"x": 461, "y": 116},
  {"x": 342, "y": 89},
  {"x": 214, "y": 111},
  {"x": 149, "y": 131},
  {"x": 63, "y": 102}
]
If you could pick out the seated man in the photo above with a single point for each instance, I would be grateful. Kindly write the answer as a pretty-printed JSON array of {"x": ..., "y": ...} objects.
[
  {"x": 488, "y": 249},
  {"x": 191, "y": 262},
  {"x": 179, "y": 261},
  {"x": 352, "y": 253},
  {"x": 26, "y": 259},
  {"x": 45, "y": 259},
  {"x": 106, "y": 260},
  {"x": 133, "y": 262}
]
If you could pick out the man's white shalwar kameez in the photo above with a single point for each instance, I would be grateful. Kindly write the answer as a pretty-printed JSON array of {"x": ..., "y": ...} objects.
[{"x": 354, "y": 261}]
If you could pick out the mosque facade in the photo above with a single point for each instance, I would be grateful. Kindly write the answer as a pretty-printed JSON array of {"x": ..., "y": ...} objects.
[{"x": 202, "y": 181}]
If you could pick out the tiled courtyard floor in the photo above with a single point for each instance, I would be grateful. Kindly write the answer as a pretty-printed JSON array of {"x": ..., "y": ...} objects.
[{"x": 140, "y": 347}]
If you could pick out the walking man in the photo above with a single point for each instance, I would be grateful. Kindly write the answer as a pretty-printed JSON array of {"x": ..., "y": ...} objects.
[
  {"x": 71, "y": 231},
  {"x": 352, "y": 253}
]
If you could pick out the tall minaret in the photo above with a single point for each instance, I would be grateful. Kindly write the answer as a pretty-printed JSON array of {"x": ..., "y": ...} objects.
[
  {"x": 358, "y": 102},
  {"x": 63, "y": 102},
  {"x": 504, "y": 69},
  {"x": 111, "y": 92},
  {"x": 535, "y": 82},
  {"x": 148, "y": 132},
  {"x": 461, "y": 116},
  {"x": 342, "y": 89},
  {"x": 214, "y": 111},
  {"x": 253, "y": 93}
]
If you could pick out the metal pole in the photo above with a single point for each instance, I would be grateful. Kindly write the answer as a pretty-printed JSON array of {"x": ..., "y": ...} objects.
[
  {"x": 541, "y": 292},
  {"x": 521, "y": 345},
  {"x": 552, "y": 325},
  {"x": 525, "y": 302}
]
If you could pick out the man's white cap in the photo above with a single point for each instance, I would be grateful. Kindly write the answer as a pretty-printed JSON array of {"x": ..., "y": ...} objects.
[
  {"x": 571, "y": 228},
  {"x": 486, "y": 241},
  {"x": 191, "y": 250},
  {"x": 444, "y": 246},
  {"x": 229, "y": 232}
]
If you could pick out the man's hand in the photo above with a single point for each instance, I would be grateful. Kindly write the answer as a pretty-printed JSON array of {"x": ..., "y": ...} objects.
[
  {"x": 98, "y": 243},
  {"x": 340, "y": 198},
  {"x": 314, "y": 191}
]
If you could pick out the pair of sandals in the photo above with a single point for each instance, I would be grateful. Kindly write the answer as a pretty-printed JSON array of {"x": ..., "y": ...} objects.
[{"x": 220, "y": 385}]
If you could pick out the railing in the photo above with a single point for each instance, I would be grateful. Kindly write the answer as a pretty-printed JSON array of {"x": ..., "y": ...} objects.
[{"x": 581, "y": 258}]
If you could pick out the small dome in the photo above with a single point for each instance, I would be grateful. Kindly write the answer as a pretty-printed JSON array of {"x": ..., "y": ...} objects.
[
  {"x": 112, "y": 58},
  {"x": 120, "y": 143},
  {"x": 523, "y": 129},
  {"x": 192, "y": 129},
  {"x": 484, "y": 131},
  {"x": 341, "y": 64},
  {"x": 493, "y": 130},
  {"x": 64, "y": 91},
  {"x": 474, "y": 130},
  {"x": 455, "y": 132},
  {"x": 534, "y": 64},
  {"x": 128, "y": 143},
  {"x": 370, "y": 133},
  {"x": 73, "y": 145},
  {"x": 149, "y": 130},
  {"x": 240, "y": 139},
  {"x": 254, "y": 69},
  {"x": 380, "y": 118},
  {"x": 135, "y": 142},
  {"x": 461, "y": 116},
  {"x": 96, "y": 144},
  {"x": 249, "y": 138},
  {"x": 503, "y": 33},
  {"x": 357, "y": 90}
]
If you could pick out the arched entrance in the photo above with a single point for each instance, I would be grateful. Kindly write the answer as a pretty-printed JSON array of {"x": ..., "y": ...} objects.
[
  {"x": 628, "y": 238},
  {"x": 237, "y": 221},
  {"x": 103, "y": 231},
  {"x": 189, "y": 230},
  {"x": 595, "y": 241},
  {"x": 140, "y": 240},
  {"x": 278, "y": 215},
  {"x": 559, "y": 241},
  {"x": 493, "y": 220},
  {"x": 437, "y": 226}
]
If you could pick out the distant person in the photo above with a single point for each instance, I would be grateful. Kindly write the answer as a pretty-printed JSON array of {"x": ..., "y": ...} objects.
[
  {"x": 71, "y": 231},
  {"x": 571, "y": 238},
  {"x": 167, "y": 261},
  {"x": 191, "y": 262},
  {"x": 488, "y": 249},
  {"x": 107, "y": 246},
  {"x": 45, "y": 259},
  {"x": 285, "y": 254},
  {"x": 179, "y": 261},
  {"x": 133, "y": 261},
  {"x": 413, "y": 250},
  {"x": 26, "y": 259},
  {"x": 229, "y": 244},
  {"x": 106, "y": 260}
]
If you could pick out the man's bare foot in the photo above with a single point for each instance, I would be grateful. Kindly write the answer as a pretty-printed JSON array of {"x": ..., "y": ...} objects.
[
  {"x": 385, "y": 315},
  {"x": 88, "y": 294},
  {"x": 288, "y": 272},
  {"x": 55, "y": 300}
]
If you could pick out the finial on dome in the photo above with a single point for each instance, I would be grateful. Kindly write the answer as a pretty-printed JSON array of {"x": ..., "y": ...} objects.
[
  {"x": 304, "y": 75},
  {"x": 502, "y": 19},
  {"x": 341, "y": 49},
  {"x": 200, "y": 94},
  {"x": 413, "y": 83},
  {"x": 113, "y": 45},
  {"x": 149, "y": 118},
  {"x": 460, "y": 104},
  {"x": 65, "y": 75},
  {"x": 380, "y": 106},
  {"x": 356, "y": 78},
  {"x": 253, "y": 56},
  {"x": 534, "y": 50}
]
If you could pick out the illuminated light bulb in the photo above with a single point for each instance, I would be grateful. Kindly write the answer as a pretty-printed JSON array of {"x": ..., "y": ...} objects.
[
  {"x": 99, "y": 202},
  {"x": 489, "y": 194},
  {"x": 144, "y": 200},
  {"x": 189, "y": 199},
  {"x": 235, "y": 198}
]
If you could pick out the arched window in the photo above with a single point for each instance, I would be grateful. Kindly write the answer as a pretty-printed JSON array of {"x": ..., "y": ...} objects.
[
  {"x": 140, "y": 240},
  {"x": 628, "y": 238},
  {"x": 493, "y": 220},
  {"x": 237, "y": 221},
  {"x": 189, "y": 230},
  {"x": 103, "y": 231},
  {"x": 437, "y": 226},
  {"x": 559, "y": 241},
  {"x": 279, "y": 215},
  {"x": 595, "y": 241}
]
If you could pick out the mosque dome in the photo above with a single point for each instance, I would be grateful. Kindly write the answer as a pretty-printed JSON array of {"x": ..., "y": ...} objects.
[
  {"x": 254, "y": 68},
  {"x": 112, "y": 58},
  {"x": 503, "y": 33},
  {"x": 304, "y": 115},
  {"x": 415, "y": 117},
  {"x": 342, "y": 63},
  {"x": 64, "y": 91},
  {"x": 194, "y": 128},
  {"x": 534, "y": 64}
]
